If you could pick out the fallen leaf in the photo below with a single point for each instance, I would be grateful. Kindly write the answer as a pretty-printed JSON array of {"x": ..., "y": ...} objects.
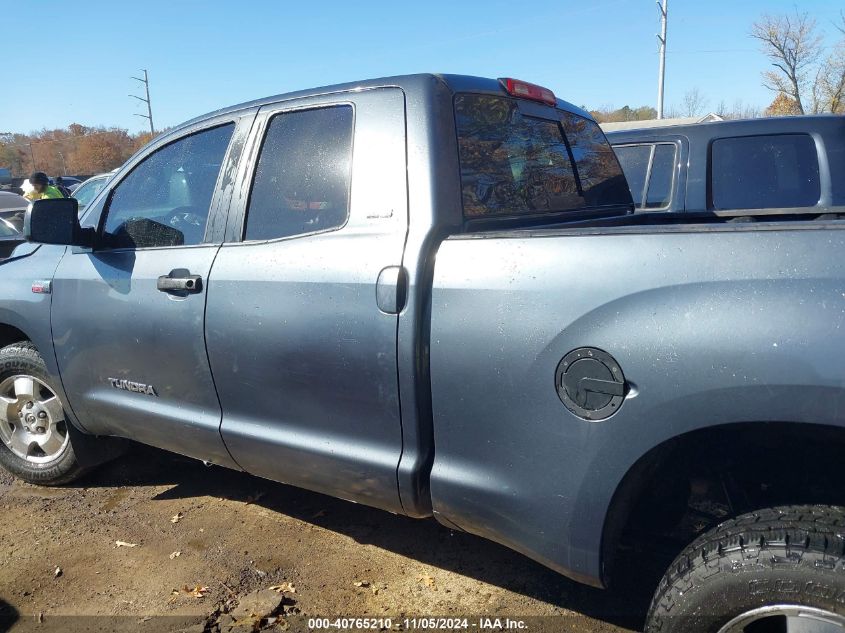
[
  {"x": 285, "y": 587},
  {"x": 175, "y": 555},
  {"x": 425, "y": 579},
  {"x": 58, "y": 572},
  {"x": 198, "y": 591},
  {"x": 124, "y": 544},
  {"x": 362, "y": 583},
  {"x": 176, "y": 517}
]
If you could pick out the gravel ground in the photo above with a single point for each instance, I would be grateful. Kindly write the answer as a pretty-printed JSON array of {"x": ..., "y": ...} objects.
[{"x": 158, "y": 542}]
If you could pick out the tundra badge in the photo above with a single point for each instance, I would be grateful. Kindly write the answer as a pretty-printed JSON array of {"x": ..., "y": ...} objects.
[{"x": 136, "y": 387}]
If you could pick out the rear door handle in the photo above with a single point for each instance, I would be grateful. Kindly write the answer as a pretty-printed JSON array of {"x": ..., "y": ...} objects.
[{"x": 180, "y": 281}]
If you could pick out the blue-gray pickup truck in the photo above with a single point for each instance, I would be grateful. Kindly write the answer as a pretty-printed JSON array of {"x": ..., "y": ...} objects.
[{"x": 431, "y": 294}]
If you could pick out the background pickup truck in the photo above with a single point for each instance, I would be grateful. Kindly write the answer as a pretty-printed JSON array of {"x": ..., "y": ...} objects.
[
  {"x": 773, "y": 164},
  {"x": 430, "y": 294}
]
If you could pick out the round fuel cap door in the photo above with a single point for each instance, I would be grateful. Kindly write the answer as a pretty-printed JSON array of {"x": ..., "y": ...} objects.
[{"x": 590, "y": 383}]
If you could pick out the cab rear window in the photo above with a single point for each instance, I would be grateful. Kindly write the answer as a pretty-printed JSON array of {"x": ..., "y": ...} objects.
[{"x": 514, "y": 164}]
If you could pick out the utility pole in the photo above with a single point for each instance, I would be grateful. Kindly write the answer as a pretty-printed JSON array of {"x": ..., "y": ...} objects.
[
  {"x": 663, "y": 7},
  {"x": 149, "y": 114}
]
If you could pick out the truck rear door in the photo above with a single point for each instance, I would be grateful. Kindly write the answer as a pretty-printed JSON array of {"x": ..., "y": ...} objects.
[{"x": 303, "y": 297}]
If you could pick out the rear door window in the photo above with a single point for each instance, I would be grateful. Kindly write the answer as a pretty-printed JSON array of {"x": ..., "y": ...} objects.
[
  {"x": 764, "y": 172},
  {"x": 303, "y": 176},
  {"x": 513, "y": 164}
]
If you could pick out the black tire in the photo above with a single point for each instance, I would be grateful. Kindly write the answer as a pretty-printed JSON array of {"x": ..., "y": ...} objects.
[
  {"x": 790, "y": 555},
  {"x": 79, "y": 454}
]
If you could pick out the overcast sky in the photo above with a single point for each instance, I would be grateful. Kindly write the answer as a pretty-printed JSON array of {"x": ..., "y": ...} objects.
[{"x": 75, "y": 65}]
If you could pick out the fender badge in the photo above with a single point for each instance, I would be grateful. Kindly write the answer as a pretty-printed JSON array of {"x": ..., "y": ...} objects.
[
  {"x": 42, "y": 287},
  {"x": 136, "y": 387}
]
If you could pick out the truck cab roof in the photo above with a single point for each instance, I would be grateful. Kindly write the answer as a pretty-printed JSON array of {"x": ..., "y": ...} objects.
[{"x": 408, "y": 83}]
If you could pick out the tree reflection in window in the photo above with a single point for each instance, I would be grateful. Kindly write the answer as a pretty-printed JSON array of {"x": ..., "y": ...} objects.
[
  {"x": 513, "y": 164},
  {"x": 602, "y": 180}
]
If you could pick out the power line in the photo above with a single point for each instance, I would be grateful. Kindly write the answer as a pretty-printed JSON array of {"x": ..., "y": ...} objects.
[
  {"x": 149, "y": 115},
  {"x": 664, "y": 18}
]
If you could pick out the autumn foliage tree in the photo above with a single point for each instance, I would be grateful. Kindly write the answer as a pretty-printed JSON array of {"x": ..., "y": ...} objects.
[
  {"x": 77, "y": 149},
  {"x": 782, "y": 106},
  {"x": 101, "y": 152},
  {"x": 625, "y": 113}
]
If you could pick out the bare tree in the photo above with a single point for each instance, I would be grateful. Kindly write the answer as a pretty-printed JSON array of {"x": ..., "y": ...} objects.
[
  {"x": 739, "y": 110},
  {"x": 694, "y": 103},
  {"x": 793, "y": 45},
  {"x": 831, "y": 77}
]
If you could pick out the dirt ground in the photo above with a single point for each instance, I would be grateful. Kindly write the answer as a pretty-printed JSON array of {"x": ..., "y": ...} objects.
[{"x": 196, "y": 541}]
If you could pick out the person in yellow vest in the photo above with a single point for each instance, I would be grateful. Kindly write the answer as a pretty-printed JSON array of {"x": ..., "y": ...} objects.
[{"x": 41, "y": 188}]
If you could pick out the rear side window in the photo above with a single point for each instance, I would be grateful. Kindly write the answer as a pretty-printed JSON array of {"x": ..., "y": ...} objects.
[
  {"x": 759, "y": 172},
  {"x": 599, "y": 174},
  {"x": 661, "y": 177},
  {"x": 303, "y": 176},
  {"x": 650, "y": 171},
  {"x": 513, "y": 164},
  {"x": 634, "y": 160}
]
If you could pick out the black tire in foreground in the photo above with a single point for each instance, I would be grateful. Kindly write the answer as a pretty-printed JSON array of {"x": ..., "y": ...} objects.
[
  {"x": 779, "y": 570},
  {"x": 37, "y": 443}
]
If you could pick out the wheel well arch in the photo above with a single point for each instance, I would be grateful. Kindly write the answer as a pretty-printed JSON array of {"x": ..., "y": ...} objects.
[
  {"x": 731, "y": 468},
  {"x": 10, "y": 334}
]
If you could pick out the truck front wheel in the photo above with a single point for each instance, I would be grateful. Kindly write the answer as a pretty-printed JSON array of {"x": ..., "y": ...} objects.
[
  {"x": 780, "y": 570},
  {"x": 37, "y": 443}
]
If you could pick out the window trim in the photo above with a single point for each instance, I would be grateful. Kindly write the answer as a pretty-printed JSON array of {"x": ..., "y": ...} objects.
[
  {"x": 262, "y": 133},
  {"x": 139, "y": 159},
  {"x": 675, "y": 156},
  {"x": 642, "y": 208},
  {"x": 821, "y": 163}
]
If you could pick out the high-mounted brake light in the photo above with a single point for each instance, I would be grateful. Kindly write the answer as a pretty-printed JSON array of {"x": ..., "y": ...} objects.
[{"x": 525, "y": 90}]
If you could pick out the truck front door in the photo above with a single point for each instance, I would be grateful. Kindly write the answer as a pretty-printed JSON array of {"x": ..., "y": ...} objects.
[
  {"x": 128, "y": 315},
  {"x": 303, "y": 299}
]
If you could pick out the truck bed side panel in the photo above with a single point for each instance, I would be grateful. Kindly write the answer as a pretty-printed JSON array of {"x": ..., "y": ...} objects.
[{"x": 712, "y": 327}]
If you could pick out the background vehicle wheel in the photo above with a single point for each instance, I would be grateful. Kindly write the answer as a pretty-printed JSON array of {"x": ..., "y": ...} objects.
[
  {"x": 37, "y": 443},
  {"x": 780, "y": 570}
]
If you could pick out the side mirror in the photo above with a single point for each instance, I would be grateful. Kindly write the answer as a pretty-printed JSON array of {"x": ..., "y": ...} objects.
[{"x": 55, "y": 221}]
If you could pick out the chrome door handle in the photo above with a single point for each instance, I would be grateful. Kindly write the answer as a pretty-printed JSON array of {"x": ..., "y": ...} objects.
[{"x": 180, "y": 280}]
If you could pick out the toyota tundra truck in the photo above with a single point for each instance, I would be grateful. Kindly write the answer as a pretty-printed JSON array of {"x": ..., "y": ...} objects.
[{"x": 431, "y": 294}]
